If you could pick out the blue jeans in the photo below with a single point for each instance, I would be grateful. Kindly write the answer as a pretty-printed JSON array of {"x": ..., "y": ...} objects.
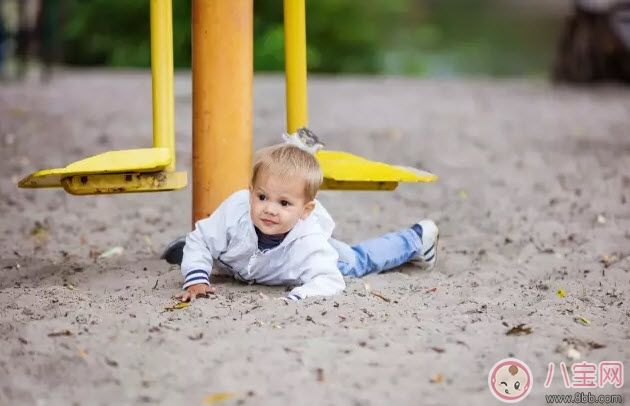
[{"x": 379, "y": 254}]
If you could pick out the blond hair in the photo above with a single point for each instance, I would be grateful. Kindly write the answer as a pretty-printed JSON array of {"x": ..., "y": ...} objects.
[{"x": 289, "y": 161}]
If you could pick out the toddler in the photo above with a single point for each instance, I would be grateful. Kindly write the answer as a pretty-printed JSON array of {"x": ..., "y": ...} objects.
[{"x": 277, "y": 233}]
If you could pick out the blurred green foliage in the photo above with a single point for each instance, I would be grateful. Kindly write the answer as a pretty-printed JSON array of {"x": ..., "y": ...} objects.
[{"x": 409, "y": 37}]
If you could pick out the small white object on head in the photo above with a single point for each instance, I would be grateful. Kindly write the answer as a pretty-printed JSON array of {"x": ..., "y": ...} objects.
[{"x": 294, "y": 139}]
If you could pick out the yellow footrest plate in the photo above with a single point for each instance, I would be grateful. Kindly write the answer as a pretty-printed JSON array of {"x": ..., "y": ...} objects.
[
  {"x": 123, "y": 161},
  {"x": 344, "y": 171},
  {"x": 124, "y": 183}
]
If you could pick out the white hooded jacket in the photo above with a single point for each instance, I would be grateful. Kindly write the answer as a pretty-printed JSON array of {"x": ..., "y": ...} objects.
[{"x": 304, "y": 259}]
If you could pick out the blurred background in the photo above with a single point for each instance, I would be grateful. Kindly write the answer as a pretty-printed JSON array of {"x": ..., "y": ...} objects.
[{"x": 438, "y": 38}]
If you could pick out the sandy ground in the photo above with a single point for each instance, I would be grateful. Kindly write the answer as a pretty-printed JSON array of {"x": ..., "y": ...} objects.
[{"x": 533, "y": 196}]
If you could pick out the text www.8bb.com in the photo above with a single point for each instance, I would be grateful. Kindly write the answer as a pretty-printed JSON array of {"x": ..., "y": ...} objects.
[{"x": 583, "y": 397}]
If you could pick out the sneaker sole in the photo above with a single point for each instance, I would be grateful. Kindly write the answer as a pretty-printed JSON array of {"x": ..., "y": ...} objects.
[
  {"x": 435, "y": 249},
  {"x": 174, "y": 252}
]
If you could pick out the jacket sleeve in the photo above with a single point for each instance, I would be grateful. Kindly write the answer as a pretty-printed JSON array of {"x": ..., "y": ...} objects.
[
  {"x": 209, "y": 238},
  {"x": 316, "y": 260}
]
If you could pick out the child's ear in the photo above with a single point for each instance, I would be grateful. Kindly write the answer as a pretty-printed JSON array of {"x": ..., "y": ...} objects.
[{"x": 308, "y": 208}]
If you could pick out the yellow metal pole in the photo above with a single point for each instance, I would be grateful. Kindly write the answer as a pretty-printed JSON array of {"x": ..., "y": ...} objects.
[
  {"x": 295, "y": 64},
  {"x": 222, "y": 75},
  {"x": 162, "y": 77}
]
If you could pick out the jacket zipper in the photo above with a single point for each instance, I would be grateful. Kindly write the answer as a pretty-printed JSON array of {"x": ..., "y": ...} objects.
[{"x": 252, "y": 259}]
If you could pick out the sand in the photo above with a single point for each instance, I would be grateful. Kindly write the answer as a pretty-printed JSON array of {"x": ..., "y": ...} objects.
[{"x": 533, "y": 196}]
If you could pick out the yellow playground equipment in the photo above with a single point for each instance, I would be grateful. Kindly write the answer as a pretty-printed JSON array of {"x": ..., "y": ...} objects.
[
  {"x": 222, "y": 77},
  {"x": 342, "y": 170},
  {"x": 135, "y": 170}
]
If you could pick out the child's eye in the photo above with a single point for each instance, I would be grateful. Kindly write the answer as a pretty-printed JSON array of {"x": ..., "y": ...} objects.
[
  {"x": 284, "y": 203},
  {"x": 262, "y": 197}
]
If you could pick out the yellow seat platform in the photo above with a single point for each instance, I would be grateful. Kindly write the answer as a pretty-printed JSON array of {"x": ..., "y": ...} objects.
[
  {"x": 132, "y": 170},
  {"x": 344, "y": 171}
]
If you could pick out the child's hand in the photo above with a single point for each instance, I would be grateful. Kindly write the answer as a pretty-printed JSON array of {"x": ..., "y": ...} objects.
[{"x": 200, "y": 289}]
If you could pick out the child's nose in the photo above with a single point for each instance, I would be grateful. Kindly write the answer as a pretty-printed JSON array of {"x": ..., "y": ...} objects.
[{"x": 271, "y": 208}]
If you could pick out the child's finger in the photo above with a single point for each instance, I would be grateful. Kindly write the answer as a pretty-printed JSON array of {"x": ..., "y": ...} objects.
[
  {"x": 184, "y": 297},
  {"x": 211, "y": 289}
]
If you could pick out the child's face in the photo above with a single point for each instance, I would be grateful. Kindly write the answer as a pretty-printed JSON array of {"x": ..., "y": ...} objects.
[{"x": 278, "y": 203}]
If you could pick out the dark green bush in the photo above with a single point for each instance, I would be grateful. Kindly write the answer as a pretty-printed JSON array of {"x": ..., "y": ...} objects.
[{"x": 368, "y": 36}]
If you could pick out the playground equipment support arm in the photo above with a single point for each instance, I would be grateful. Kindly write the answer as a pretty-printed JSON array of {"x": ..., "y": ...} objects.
[
  {"x": 162, "y": 77},
  {"x": 295, "y": 64}
]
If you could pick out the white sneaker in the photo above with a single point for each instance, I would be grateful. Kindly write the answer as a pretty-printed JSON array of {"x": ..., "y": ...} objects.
[{"x": 429, "y": 236}]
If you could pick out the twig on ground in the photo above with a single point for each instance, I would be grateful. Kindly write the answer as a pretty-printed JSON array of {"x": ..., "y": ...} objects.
[{"x": 375, "y": 293}]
